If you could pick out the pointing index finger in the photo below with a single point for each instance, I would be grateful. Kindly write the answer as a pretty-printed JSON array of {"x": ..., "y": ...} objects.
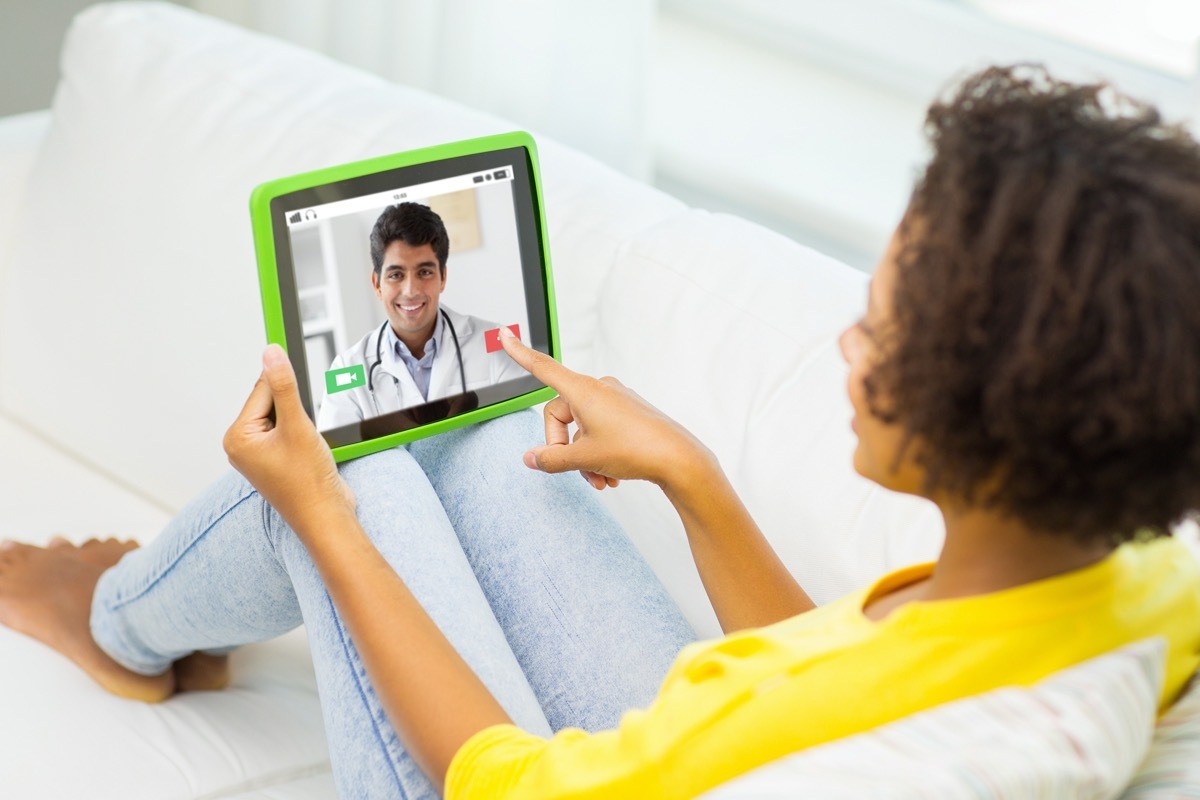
[{"x": 538, "y": 364}]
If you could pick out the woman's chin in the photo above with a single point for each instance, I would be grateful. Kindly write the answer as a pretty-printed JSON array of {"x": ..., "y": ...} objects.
[{"x": 862, "y": 464}]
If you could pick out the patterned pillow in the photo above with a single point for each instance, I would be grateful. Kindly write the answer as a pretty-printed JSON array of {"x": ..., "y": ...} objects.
[
  {"x": 1080, "y": 733},
  {"x": 1172, "y": 768}
]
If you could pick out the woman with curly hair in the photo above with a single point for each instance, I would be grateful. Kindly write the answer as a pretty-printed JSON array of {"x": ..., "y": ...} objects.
[{"x": 1029, "y": 361}]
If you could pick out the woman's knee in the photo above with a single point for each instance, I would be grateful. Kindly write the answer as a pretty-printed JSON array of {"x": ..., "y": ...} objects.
[
  {"x": 497, "y": 443},
  {"x": 385, "y": 469},
  {"x": 392, "y": 493}
]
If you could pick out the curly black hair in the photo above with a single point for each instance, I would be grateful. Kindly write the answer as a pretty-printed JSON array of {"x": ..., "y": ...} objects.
[
  {"x": 1044, "y": 359},
  {"x": 414, "y": 224}
]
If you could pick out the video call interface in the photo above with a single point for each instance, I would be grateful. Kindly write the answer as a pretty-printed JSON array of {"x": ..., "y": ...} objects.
[{"x": 417, "y": 340}]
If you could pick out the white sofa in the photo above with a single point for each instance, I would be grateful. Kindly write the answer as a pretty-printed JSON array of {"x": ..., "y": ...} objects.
[{"x": 130, "y": 332}]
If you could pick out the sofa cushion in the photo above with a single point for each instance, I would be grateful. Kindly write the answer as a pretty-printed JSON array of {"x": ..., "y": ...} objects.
[
  {"x": 266, "y": 729},
  {"x": 316, "y": 787},
  {"x": 21, "y": 137},
  {"x": 46, "y": 493},
  {"x": 1172, "y": 767},
  {"x": 79, "y": 741},
  {"x": 1079, "y": 734}
]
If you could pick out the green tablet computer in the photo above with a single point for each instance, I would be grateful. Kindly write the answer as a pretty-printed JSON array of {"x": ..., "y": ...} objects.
[{"x": 388, "y": 280}]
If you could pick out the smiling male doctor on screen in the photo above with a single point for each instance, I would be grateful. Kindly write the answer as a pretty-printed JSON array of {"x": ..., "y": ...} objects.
[{"x": 425, "y": 351}]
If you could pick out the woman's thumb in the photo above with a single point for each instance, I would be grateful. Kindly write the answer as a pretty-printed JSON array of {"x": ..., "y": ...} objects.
[
  {"x": 282, "y": 380},
  {"x": 554, "y": 457}
]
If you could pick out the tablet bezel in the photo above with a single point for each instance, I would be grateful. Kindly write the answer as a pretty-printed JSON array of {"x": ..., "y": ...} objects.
[{"x": 272, "y": 201}]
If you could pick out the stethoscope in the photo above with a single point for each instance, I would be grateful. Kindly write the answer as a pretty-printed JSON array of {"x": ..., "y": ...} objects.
[{"x": 462, "y": 372}]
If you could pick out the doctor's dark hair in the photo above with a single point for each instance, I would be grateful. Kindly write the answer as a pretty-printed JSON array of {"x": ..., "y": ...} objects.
[
  {"x": 415, "y": 225},
  {"x": 1044, "y": 356}
]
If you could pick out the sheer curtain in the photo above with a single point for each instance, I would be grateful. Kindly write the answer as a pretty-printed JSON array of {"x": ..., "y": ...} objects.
[{"x": 574, "y": 71}]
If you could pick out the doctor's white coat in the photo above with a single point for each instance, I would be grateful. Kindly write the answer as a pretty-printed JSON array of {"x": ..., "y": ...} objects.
[{"x": 395, "y": 388}]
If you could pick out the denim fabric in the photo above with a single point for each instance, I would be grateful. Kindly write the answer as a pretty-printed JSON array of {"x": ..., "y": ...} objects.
[{"x": 526, "y": 574}]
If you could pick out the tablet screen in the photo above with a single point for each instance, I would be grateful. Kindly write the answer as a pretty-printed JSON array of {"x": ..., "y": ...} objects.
[{"x": 393, "y": 287}]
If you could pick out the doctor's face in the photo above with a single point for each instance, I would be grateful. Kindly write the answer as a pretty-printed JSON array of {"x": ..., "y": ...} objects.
[{"x": 409, "y": 285}]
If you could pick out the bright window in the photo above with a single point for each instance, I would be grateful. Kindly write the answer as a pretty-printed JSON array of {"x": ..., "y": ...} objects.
[
  {"x": 1161, "y": 34},
  {"x": 806, "y": 115}
]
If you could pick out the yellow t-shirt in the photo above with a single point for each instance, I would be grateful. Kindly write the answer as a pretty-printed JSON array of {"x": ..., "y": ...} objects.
[{"x": 729, "y": 705}]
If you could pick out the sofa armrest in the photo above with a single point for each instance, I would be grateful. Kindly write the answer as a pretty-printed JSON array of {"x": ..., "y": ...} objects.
[{"x": 21, "y": 138}]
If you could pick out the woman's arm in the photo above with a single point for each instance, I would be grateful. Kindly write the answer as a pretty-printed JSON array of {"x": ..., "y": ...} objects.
[
  {"x": 619, "y": 435},
  {"x": 433, "y": 699},
  {"x": 746, "y": 582}
]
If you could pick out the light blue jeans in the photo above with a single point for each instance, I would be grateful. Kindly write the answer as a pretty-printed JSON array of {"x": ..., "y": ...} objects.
[{"x": 526, "y": 574}]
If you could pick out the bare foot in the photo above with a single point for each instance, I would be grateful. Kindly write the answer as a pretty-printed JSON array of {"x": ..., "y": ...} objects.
[
  {"x": 46, "y": 593},
  {"x": 97, "y": 552},
  {"x": 201, "y": 672}
]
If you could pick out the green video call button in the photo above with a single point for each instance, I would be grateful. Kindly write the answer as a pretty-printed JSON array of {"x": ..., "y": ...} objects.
[{"x": 339, "y": 380}]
